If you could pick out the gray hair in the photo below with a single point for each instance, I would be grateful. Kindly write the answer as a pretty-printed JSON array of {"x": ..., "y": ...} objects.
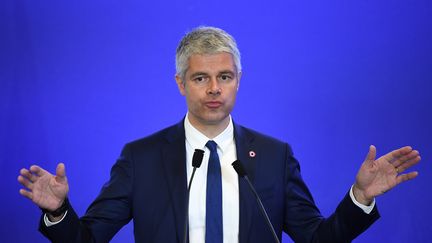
[{"x": 205, "y": 40}]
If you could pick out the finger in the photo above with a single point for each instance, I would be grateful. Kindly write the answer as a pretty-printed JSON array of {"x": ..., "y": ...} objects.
[
  {"x": 395, "y": 154},
  {"x": 370, "y": 157},
  {"x": 26, "y": 194},
  {"x": 26, "y": 174},
  {"x": 61, "y": 173},
  {"x": 406, "y": 177},
  {"x": 37, "y": 170},
  {"x": 408, "y": 164},
  {"x": 25, "y": 182},
  {"x": 413, "y": 154}
]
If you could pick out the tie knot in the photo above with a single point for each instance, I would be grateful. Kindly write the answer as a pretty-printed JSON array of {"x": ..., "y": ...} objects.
[{"x": 212, "y": 145}]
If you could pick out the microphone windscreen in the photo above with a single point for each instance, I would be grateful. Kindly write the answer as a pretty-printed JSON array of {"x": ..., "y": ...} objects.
[
  {"x": 197, "y": 158},
  {"x": 238, "y": 167}
]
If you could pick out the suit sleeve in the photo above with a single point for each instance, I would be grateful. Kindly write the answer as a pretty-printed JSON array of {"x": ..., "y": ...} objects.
[
  {"x": 110, "y": 211},
  {"x": 303, "y": 220}
]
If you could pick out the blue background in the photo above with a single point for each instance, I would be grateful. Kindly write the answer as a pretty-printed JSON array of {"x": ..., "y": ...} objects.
[{"x": 79, "y": 79}]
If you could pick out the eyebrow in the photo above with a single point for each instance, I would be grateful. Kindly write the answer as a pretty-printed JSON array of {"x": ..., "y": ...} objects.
[
  {"x": 227, "y": 72},
  {"x": 198, "y": 74},
  {"x": 194, "y": 75}
]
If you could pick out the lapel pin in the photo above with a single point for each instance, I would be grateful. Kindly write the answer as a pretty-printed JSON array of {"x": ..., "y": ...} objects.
[{"x": 252, "y": 154}]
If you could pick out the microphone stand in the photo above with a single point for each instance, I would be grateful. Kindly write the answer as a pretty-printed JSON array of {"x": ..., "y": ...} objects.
[
  {"x": 196, "y": 163},
  {"x": 242, "y": 173}
]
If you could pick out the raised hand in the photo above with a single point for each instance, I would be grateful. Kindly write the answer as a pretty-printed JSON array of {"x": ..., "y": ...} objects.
[
  {"x": 46, "y": 190},
  {"x": 376, "y": 177}
]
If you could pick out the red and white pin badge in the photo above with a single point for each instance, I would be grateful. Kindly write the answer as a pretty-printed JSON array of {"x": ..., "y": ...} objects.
[{"x": 252, "y": 154}]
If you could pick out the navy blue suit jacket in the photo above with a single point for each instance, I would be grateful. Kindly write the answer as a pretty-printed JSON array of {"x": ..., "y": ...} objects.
[{"x": 148, "y": 184}]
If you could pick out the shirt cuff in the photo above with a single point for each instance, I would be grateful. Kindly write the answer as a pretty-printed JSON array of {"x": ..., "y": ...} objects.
[
  {"x": 48, "y": 223},
  {"x": 365, "y": 208}
]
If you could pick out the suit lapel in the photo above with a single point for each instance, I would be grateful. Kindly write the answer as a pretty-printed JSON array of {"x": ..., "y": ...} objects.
[
  {"x": 244, "y": 146},
  {"x": 174, "y": 157}
]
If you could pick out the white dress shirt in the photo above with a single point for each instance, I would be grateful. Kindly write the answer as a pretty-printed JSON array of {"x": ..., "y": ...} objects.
[{"x": 230, "y": 190}]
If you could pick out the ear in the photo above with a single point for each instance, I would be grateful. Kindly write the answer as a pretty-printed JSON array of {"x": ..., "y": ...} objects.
[
  {"x": 180, "y": 84},
  {"x": 239, "y": 75}
]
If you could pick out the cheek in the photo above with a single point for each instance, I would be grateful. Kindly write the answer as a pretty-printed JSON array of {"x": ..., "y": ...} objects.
[
  {"x": 232, "y": 94},
  {"x": 192, "y": 96}
]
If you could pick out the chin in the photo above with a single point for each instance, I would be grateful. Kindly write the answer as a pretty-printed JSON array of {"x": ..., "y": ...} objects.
[{"x": 215, "y": 119}]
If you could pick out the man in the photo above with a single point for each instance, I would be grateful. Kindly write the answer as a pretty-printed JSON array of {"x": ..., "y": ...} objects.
[{"x": 149, "y": 181}]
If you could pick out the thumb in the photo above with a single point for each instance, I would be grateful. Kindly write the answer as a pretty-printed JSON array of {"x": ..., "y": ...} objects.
[
  {"x": 61, "y": 173},
  {"x": 370, "y": 157}
]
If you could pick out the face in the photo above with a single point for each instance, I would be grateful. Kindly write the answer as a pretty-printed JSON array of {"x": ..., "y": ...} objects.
[{"x": 210, "y": 86}]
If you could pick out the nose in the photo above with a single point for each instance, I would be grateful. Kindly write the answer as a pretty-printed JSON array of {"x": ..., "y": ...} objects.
[{"x": 213, "y": 87}]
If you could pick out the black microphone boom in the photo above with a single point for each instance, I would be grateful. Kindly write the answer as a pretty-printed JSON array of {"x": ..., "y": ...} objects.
[
  {"x": 238, "y": 167},
  {"x": 196, "y": 163}
]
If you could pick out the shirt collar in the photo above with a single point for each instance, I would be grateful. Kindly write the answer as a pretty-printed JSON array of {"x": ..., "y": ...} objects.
[{"x": 198, "y": 140}]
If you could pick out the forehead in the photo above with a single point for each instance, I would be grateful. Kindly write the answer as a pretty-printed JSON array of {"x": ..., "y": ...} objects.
[{"x": 211, "y": 63}]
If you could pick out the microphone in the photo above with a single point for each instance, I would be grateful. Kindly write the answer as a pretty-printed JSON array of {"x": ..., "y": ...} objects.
[
  {"x": 196, "y": 163},
  {"x": 238, "y": 167}
]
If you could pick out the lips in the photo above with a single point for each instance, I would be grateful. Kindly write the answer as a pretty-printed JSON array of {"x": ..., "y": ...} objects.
[{"x": 213, "y": 104}]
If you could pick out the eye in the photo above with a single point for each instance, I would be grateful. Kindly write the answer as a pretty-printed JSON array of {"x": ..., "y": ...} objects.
[
  {"x": 225, "y": 77},
  {"x": 200, "y": 79}
]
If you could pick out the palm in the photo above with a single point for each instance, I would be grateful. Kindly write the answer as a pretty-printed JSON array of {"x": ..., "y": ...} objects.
[
  {"x": 375, "y": 177},
  {"x": 380, "y": 175},
  {"x": 47, "y": 192}
]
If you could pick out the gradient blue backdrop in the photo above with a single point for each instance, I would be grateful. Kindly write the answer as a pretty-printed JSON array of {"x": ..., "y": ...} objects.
[{"x": 81, "y": 78}]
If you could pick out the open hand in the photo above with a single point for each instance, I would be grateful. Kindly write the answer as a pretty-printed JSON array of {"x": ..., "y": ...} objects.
[
  {"x": 44, "y": 189},
  {"x": 376, "y": 177}
]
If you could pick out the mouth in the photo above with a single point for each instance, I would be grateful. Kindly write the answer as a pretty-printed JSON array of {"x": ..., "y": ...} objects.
[{"x": 213, "y": 104}]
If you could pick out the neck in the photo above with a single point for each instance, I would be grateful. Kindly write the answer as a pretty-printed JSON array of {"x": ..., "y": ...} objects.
[{"x": 210, "y": 130}]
